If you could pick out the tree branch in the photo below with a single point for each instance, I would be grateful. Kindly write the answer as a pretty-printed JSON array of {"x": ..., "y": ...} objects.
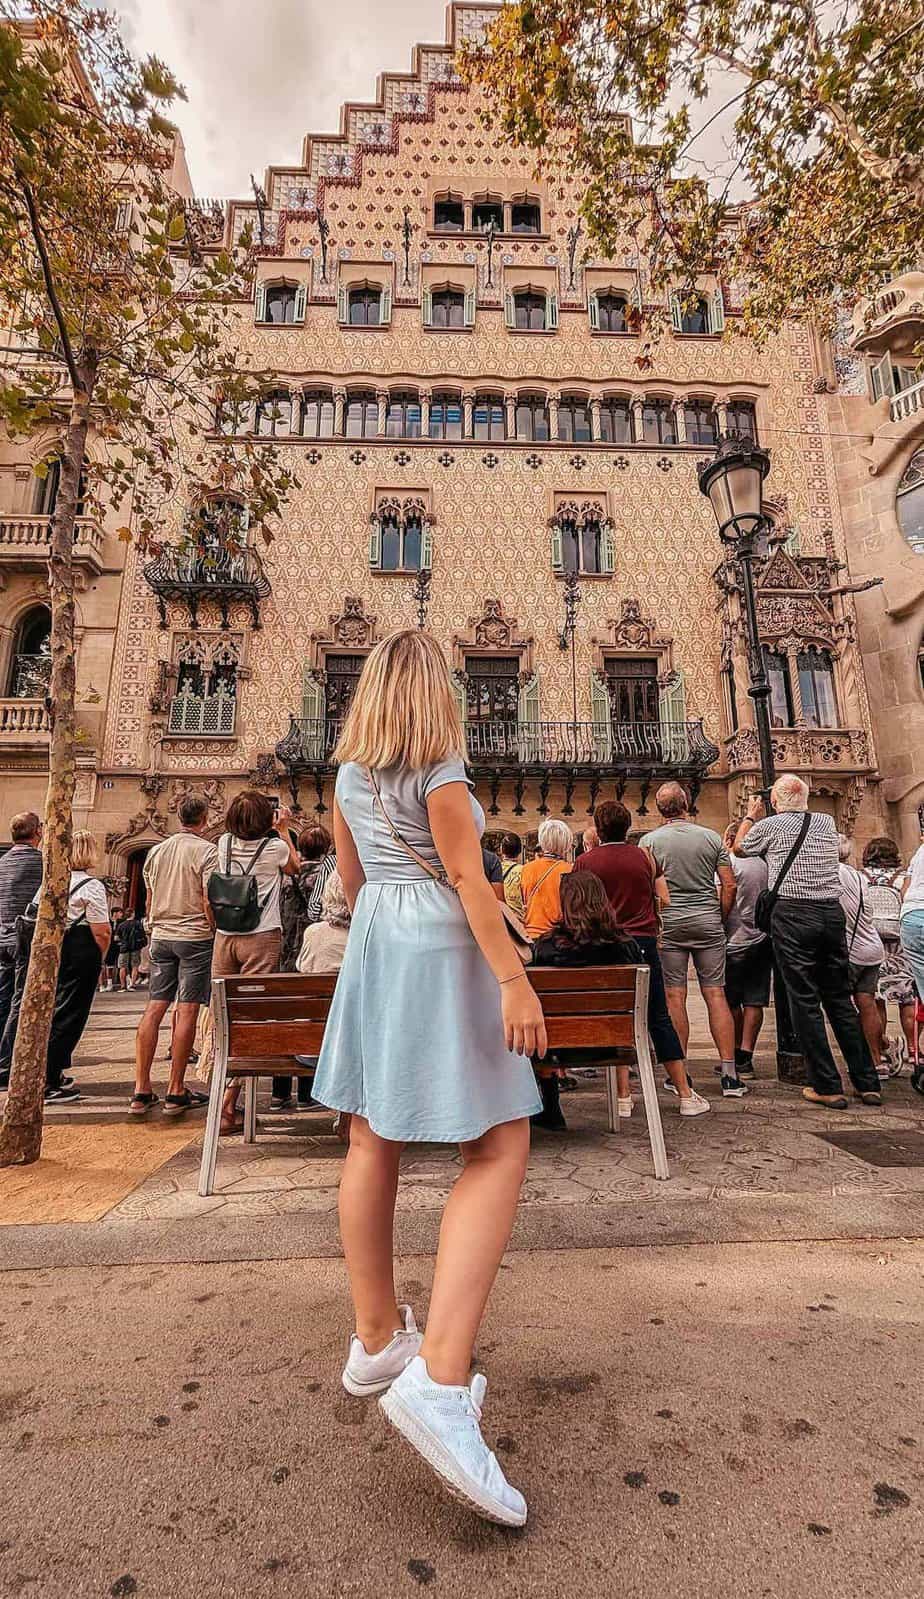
[{"x": 50, "y": 288}]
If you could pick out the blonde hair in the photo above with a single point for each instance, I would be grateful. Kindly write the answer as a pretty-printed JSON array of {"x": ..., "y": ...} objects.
[
  {"x": 84, "y": 852},
  {"x": 403, "y": 712}
]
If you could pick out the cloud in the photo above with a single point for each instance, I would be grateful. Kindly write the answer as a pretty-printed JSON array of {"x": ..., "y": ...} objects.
[{"x": 259, "y": 78}]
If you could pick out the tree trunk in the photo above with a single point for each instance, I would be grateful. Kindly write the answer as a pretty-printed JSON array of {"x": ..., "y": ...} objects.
[{"x": 21, "y": 1133}]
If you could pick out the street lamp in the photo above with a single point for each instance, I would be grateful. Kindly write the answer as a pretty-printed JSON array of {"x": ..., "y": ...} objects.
[
  {"x": 733, "y": 483},
  {"x": 566, "y": 641}
]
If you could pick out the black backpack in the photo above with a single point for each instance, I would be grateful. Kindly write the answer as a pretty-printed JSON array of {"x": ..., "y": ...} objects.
[{"x": 233, "y": 898}]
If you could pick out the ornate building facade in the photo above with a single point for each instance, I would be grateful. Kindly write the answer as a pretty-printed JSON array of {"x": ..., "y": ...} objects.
[{"x": 479, "y": 451}]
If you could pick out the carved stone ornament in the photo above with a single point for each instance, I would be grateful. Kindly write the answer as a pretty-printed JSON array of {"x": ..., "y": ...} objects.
[
  {"x": 744, "y": 749},
  {"x": 778, "y": 614},
  {"x": 265, "y": 773},
  {"x": 152, "y": 786},
  {"x": 493, "y": 630},
  {"x": 353, "y": 629},
  {"x": 212, "y": 791}
]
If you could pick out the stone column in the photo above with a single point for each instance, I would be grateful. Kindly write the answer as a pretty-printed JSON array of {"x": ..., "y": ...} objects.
[
  {"x": 382, "y": 398},
  {"x": 425, "y": 398},
  {"x": 638, "y": 428},
  {"x": 721, "y": 418},
  {"x": 339, "y": 407},
  {"x": 596, "y": 431},
  {"x": 468, "y": 407},
  {"x": 790, "y": 647},
  {"x": 510, "y": 406},
  {"x": 508, "y": 216},
  {"x": 552, "y": 403},
  {"x": 680, "y": 421},
  {"x": 295, "y": 413}
]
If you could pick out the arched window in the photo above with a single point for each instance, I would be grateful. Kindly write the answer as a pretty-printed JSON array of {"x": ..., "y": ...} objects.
[
  {"x": 816, "y": 687},
  {"x": 318, "y": 415},
  {"x": 909, "y": 502},
  {"x": 525, "y": 216},
  {"x": 274, "y": 415},
  {"x": 658, "y": 425},
  {"x": 449, "y": 214},
  {"x": 362, "y": 415},
  {"x": 486, "y": 210},
  {"x": 400, "y": 539},
  {"x": 615, "y": 421},
  {"x": 700, "y": 423},
  {"x": 741, "y": 419},
  {"x": 45, "y": 497},
  {"x": 278, "y": 303},
  {"x": 695, "y": 316},
  {"x": 30, "y": 665},
  {"x": 611, "y": 313},
  {"x": 532, "y": 418},
  {"x": 574, "y": 419},
  {"x": 489, "y": 417},
  {"x": 390, "y": 525},
  {"x": 447, "y": 309},
  {"x": 446, "y": 416},
  {"x": 781, "y": 704},
  {"x": 365, "y": 306},
  {"x": 582, "y": 540},
  {"x": 530, "y": 311},
  {"x": 402, "y": 419}
]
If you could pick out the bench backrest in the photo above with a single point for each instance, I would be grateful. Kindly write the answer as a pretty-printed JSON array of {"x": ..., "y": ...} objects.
[{"x": 590, "y": 1007}]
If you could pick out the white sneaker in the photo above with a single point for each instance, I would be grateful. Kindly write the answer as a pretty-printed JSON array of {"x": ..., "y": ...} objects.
[
  {"x": 624, "y": 1108},
  {"x": 365, "y": 1374},
  {"x": 696, "y": 1105},
  {"x": 442, "y": 1423}
]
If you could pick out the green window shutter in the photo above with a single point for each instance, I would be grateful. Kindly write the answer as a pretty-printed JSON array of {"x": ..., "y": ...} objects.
[
  {"x": 469, "y": 313},
  {"x": 529, "y": 731},
  {"x": 385, "y": 306},
  {"x": 375, "y": 544},
  {"x": 600, "y": 712},
  {"x": 676, "y": 313},
  {"x": 427, "y": 306},
  {"x": 510, "y": 311},
  {"x": 607, "y": 548},
  {"x": 717, "y": 312},
  {"x": 593, "y": 309},
  {"x": 551, "y": 311},
  {"x": 260, "y": 303},
  {"x": 343, "y": 309},
  {"x": 426, "y": 548},
  {"x": 558, "y": 559},
  {"x": 635, "y": 295},
  {"x": 673, "y": 708},
  {"x": 301, "y": 301},
  {"x": 314, "y": 709}
]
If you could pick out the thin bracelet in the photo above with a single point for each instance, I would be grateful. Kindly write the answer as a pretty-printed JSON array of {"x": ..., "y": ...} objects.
[{"x": 514, "y": 979}]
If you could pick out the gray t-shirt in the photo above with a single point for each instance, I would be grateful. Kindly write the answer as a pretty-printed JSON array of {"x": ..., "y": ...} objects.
[
  {"x": 689, "y": 856},
  {"x": 864, "y": 946},
  {"x": 751, "y": 880}
]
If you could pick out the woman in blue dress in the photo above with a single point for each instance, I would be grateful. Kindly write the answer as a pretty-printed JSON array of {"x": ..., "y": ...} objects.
[{"x": 431, "y": 1032}]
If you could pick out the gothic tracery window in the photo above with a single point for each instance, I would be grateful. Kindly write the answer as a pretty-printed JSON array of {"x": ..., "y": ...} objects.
[{"x": 205, "y": 699}]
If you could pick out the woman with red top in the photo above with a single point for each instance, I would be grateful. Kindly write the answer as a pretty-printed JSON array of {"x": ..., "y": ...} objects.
[{"x": 635, "y": 887}]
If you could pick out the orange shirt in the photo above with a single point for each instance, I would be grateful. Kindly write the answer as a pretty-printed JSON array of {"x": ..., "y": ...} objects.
[{"x": 540, "y": 882}]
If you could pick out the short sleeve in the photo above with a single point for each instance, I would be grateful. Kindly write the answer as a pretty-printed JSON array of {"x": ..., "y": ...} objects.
[
  {"x": 441, "y": 773},
  {"x": 209, "y": 862},
  {"x": 494, "y": 871},
  {"x": 93, "y": 897},
  {"x": 756, "y": 840},
  {"x": 277, "y": 851},
  {"x": 722, "y": 858}
]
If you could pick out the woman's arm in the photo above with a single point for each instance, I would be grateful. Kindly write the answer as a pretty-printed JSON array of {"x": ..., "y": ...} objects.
[
  {"x": 282, "y": 824},
  {"x": 348, "y": 862},
  {"x": 459, "y": 849}
]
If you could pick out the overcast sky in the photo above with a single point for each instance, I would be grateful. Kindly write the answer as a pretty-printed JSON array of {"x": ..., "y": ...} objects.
[{"x": 261, "y": 76}]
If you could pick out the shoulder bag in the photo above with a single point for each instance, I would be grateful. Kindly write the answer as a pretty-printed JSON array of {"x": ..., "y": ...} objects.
[
  {"x": 519, "y": 937},
  {"x": 767, "y": 898},
  {"x": 25, "y": 924},
  {"x": 234, "y": 900}
]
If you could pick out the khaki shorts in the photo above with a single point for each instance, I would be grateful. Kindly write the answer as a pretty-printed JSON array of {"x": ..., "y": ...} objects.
[{"x": 704, "y": 945}]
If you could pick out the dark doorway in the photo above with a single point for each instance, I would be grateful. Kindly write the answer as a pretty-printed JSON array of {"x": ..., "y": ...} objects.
[{"x": 136, "y": 898}]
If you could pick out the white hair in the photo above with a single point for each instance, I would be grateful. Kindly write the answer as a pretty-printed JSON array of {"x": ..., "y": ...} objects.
[
  {"x": 789, "y": 793},
  {"x": 334, "y": 907},
  {"x": 556, "y": 839},
  {"x": 844, "y": 847}
]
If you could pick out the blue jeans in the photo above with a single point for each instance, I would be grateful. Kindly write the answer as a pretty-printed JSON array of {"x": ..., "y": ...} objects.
[{"x": 912, "y": 926}]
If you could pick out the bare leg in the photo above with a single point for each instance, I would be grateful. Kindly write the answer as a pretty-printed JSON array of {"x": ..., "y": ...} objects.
[
  {"x": 677, "y": 1072},
  {"x": 185, "y": 1017},
  {"x": 752, "y": 1019},
  {"x": 622, "y": 1082},
  {"x": 906, "y": 1012},
  {"x": 475, "y": 1231},
  {"x": 146, "y": 1042},
  {"x": 871, "y": 1024},
  {"x": 677, "y": 1009},
  {"x": 738, "y": 1019},
  {"x": 721, "y": 1025},
  {"x": 368, "y": 1189}
]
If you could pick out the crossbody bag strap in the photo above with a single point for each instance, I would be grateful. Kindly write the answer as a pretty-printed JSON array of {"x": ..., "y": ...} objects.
[
  {"x": 431, "y": 871},
  {"x": 803, "y": 834},
  {"x": 856, "y": 920},
  {"x": 536, "y": 886}
]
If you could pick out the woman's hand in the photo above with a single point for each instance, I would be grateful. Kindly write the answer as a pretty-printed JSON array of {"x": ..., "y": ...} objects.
[
  {"x": 524, "y": 1023},
  {"x": 284, "y": 820}
]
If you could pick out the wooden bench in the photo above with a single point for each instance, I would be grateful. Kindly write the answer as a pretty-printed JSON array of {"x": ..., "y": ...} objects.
[{"x": 262, "y": 1022}]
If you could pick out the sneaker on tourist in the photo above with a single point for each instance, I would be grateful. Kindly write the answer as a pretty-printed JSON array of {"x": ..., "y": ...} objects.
[
  {"x": 365, "y": 1374},
  {"x": 61, "y": 1094},
  {"x": 280, "y": 1102},
  {"x": 830, "y": 1101},
  {"x": 867, "y": 1096},
  {"x": 744, "y": 1062},
  {"x": 441, "y": 1422},
  {"x": 671, "y": 1088},
  {"x": 695, "y": 1105},
  {"x": 624, "y": 1108},
  {"x": 734, "y": 1088}
]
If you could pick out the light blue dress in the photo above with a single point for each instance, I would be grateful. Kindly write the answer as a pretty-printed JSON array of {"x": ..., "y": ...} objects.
[{"x": 415, "y": 1041}]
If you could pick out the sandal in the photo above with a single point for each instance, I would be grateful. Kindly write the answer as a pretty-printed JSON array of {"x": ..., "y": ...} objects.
[
  {"x": 230, "y": 1125},
  {"x": 176, "y": 1104},
  {"x": 141, "y": 1104}
]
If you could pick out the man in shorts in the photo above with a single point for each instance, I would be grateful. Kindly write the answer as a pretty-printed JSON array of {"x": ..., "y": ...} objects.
[
  {"x": 182, "y": 934},
  {"x": 748, "y": 955},
  {"x": 691, "y": 858}
]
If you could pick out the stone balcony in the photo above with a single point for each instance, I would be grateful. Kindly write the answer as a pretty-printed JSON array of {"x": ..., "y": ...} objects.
[
  {"x": 24, "y": 724},
  {"x": 25, "y": 542},
  {"x": 907, "y": 402},
  {"x": 894, "y": 319},
  {"x": 810, "y": 749}
]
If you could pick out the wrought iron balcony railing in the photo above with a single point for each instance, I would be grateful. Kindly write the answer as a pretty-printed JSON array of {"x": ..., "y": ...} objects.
[
  {"x": 618, "y": 747},
  {"x": 224, "y": 576}
]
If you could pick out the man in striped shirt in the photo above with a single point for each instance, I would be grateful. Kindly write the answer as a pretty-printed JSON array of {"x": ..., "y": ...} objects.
[{"x": 809, "y": 934}]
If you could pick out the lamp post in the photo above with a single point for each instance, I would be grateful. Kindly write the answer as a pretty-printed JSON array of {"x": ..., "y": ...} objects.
[
  {"x": 733, "y": 483},
  {"x": 567, "y": 641}
]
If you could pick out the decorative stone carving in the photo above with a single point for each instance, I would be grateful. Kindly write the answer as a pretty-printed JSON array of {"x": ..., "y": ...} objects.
[
  {"x": 632, "y": 631},
  {"x": 265, "y": 772},
  {"x": 212, "y": 791},
  {"x": 491, "y": 631}
]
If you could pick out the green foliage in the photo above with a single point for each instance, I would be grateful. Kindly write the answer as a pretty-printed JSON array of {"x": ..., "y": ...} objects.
[{"x": 828, "y": 142}]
